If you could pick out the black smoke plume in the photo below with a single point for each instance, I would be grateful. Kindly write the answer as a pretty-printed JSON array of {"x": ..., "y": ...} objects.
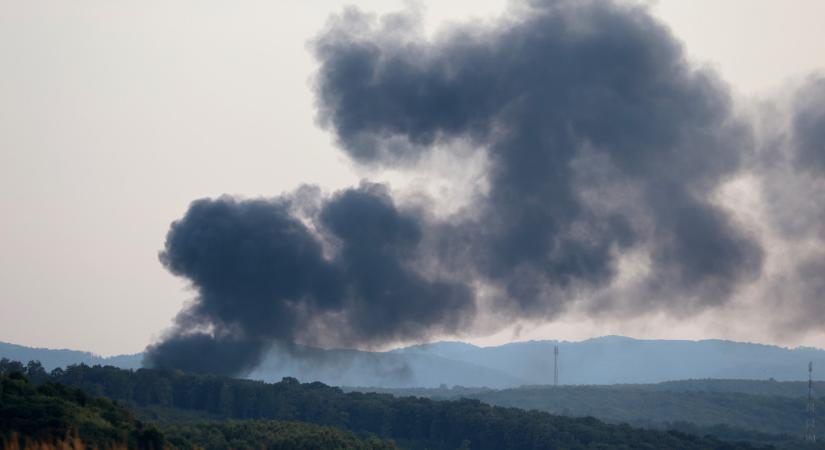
[
  {"x": 560, "y": 84},
  {"x": 600, "y": 141},
  {"x": 808, "y": 126},
  {"x": 262, "y": 278}
]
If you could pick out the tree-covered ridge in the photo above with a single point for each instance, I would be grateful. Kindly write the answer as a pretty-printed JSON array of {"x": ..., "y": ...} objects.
[
  {"x": 770, "y": 387},
  {"x": 52, "y": 414},
  {"x": 754, "y": 405},
  {"x": 414, "y": 423}
]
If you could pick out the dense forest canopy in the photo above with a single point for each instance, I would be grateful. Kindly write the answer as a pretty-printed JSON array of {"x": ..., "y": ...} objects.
[
  {"x": 759, "y": 411},
  {"x": 412, "y": 422},
  {"x": 52, "y": 415}
]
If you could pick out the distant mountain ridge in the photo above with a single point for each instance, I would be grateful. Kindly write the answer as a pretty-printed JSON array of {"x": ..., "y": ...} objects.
[
  {"x": 604, "y": 360},
  {"x": 618, "y": 359},
  {"x": 53, "y": 358}
]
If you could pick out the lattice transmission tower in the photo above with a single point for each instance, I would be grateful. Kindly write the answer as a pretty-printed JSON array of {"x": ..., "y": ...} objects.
[
  {"x": 810, "y": 423},
  {"x": 556, "y": 365}
]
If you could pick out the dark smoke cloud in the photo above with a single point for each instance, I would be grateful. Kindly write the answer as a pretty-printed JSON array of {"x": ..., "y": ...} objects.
[
  {"x": 262, "y": 278},
  {"x": 809, "y": 126},
  {"x": 387, "y": 300},
  {"x": 599, "y": 140},
  {"x": 257, "y": 271},
  {"x": 536, "y": 93}
]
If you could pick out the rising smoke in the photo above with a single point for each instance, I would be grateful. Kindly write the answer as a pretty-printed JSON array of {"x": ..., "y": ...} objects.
[
  {"x": 262, "y": 278},
  {"x": 791, "y": 169},
  {"x": 601, "y": 141},
  {"x": 808, "y": 127},
  {"x": 564, "y": 96}
]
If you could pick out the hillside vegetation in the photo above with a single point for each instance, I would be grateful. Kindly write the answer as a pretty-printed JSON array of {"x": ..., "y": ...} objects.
[
  {"x": 735, "y": 409},
  {"x": 53, "y": 416},
  {"x": 413, "y": 423}
]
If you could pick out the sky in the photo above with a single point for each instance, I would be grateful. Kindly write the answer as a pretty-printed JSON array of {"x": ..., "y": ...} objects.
[{"x": 114, "y": 116}]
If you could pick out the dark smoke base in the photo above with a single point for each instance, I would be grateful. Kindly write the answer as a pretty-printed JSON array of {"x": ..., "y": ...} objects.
[{"x": 262, "y": 278}]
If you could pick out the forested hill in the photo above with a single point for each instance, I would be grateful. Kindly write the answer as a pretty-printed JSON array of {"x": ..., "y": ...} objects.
[
  {"x": 740, "y": 409},
  {"x": 52, "y": 416},
  {"x": 413, "y": 423}
]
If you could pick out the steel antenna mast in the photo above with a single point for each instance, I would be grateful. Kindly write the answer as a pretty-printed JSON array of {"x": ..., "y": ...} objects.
[
  {"x": 810, "y": 424},
  {"x": 556, "y": 365}
]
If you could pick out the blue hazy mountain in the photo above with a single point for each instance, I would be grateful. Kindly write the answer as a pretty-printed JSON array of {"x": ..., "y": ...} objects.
[
  {"x": 605, "y": 360},
  {"x": 52, "y": 358},
  {"x": 616, "y": 359}
]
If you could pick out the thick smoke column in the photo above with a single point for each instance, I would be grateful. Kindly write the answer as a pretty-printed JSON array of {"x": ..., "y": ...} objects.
[
  {"x": 600, "y": 140},
  {"x": 566, "y": 96},
  {"x": 262, "y": 278}
]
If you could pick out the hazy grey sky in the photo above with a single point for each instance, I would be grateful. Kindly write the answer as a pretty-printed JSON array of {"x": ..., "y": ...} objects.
[{"x": 115, "y": 115}]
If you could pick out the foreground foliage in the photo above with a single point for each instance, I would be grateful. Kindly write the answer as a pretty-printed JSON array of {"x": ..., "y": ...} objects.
[
  {"x": 54, "y": 416},
  {"x": 272, "y": 435}
]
